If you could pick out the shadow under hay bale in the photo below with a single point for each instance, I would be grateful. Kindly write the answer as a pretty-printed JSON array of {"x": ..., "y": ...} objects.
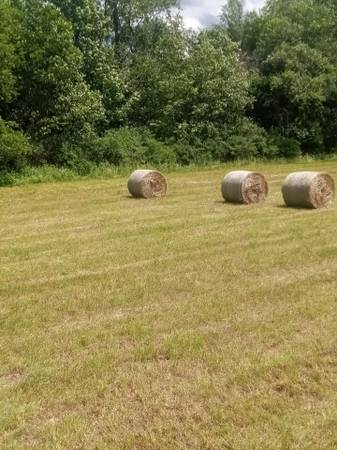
[
  {"x": 147, "y": 184},
  {"x": 308, "y": 190},
  {"x": 244, "y": 187}
]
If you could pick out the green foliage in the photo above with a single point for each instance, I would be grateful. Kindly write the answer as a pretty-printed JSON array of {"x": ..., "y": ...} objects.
[
  {"x": 128, "y": 19},
  {"x": 287, "y": 147},
  {"x": 248, "y": 141},
  {"x": 124, "y": 82},
  {"x": 218, "y": 87},
  {"x": 15, "y": 149},
  {"x": 90, "y": 28},
  {"x": 199, "y": 153},
  {"x": 54, "y": 104},
  {"x": 159, "y": 83},
  {"x": 232, "y": 18},
  {"x": 50, "y": 174},
  {"x": 99, "y": 64},
  {"x": 129, "y": 146},
  {"x": 245, "y": 141},
  {"x": 36, "y": 175},
  {"x": 190, "y": 88},
  {"x": 9, "y": 57},
  {"x": 296, "y": 87},
  {"x": 296, "y": 84}
]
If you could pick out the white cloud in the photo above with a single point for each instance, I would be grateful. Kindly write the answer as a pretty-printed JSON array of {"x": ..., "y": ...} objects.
[
  {"x": 254, "y": 4},
  {"x": 192, "y": 22},
  {"x": 200, "y": 13}
]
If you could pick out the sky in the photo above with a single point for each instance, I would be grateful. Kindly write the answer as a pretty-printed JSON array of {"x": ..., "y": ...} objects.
[{"x": 201, "y": 13}]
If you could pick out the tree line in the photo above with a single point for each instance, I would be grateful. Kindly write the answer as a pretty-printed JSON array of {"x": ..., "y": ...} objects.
[{"x": 85, "y": 82}]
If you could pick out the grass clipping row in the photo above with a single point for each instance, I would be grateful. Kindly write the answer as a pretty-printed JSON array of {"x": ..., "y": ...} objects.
[
  {"x": 308, "y": 190},
  {"x": 147, "y": 184},
  {"x": 245, "y": 187}
]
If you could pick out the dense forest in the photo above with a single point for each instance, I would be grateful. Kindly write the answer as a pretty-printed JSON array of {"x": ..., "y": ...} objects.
[{"x": 85, "y": 82}]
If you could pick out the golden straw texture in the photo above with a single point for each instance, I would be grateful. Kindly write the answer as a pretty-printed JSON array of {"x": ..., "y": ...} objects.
[
  {"x": 308, "y": 190},
  {"x": 243, "y": 186},
  {"x": 147, "y": 184}
]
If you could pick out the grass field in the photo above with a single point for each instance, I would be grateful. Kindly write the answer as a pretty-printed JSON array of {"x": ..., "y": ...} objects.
[{"x": 181, "y": 323}]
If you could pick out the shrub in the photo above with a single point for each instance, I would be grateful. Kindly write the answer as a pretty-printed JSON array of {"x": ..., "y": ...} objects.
[
  {"x": 192, "y": 154},
  {"x": 131, "y": 146},
  {"x": 287, "y": 147},
  {"x": 247, "y": 141},
  {"x": 15, "y": 148},
  {"x": 76, "y": 157},
  {"x": 158, "y": 153}
]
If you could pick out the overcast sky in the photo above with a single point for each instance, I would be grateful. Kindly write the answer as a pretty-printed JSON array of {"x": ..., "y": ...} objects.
[{"x": 201, "y": 13}]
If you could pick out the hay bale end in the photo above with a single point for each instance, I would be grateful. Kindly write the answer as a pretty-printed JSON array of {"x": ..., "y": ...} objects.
[
  {"x": 147, "y": 184},
  {"x": 308, "y": 190},
  {"x": 243, "y": 186}
]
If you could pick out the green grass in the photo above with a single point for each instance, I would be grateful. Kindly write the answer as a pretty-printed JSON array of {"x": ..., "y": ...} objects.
[
  {"x": 180, "y": 323},
  {"x": 51, "y": 174}
]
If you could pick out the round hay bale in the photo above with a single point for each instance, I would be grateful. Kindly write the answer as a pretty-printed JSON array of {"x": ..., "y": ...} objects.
[
  {"x": 308, "y": 190},
  {"x": 243, "y": 186},
  {"x": 147, "y": 184}
]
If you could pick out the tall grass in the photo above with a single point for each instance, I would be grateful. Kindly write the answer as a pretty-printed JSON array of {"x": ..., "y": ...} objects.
[{"x": 51, "y": 174}]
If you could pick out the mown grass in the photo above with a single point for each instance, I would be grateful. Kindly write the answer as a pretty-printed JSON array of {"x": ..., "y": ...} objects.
[{"x": 180, "y": 323}]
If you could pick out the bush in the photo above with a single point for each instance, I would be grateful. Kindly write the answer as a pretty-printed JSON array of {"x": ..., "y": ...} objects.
[
  {"x": 287, "y": 147},
  {"x": 76, "y": 157},
  {"x": 245, "y": 140},
  {"x": 249, "y": 141},
  {"x": 15, "y": 148},
  {"x": 192, "y": 154},
  {"x": 131, "y": 146}
]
